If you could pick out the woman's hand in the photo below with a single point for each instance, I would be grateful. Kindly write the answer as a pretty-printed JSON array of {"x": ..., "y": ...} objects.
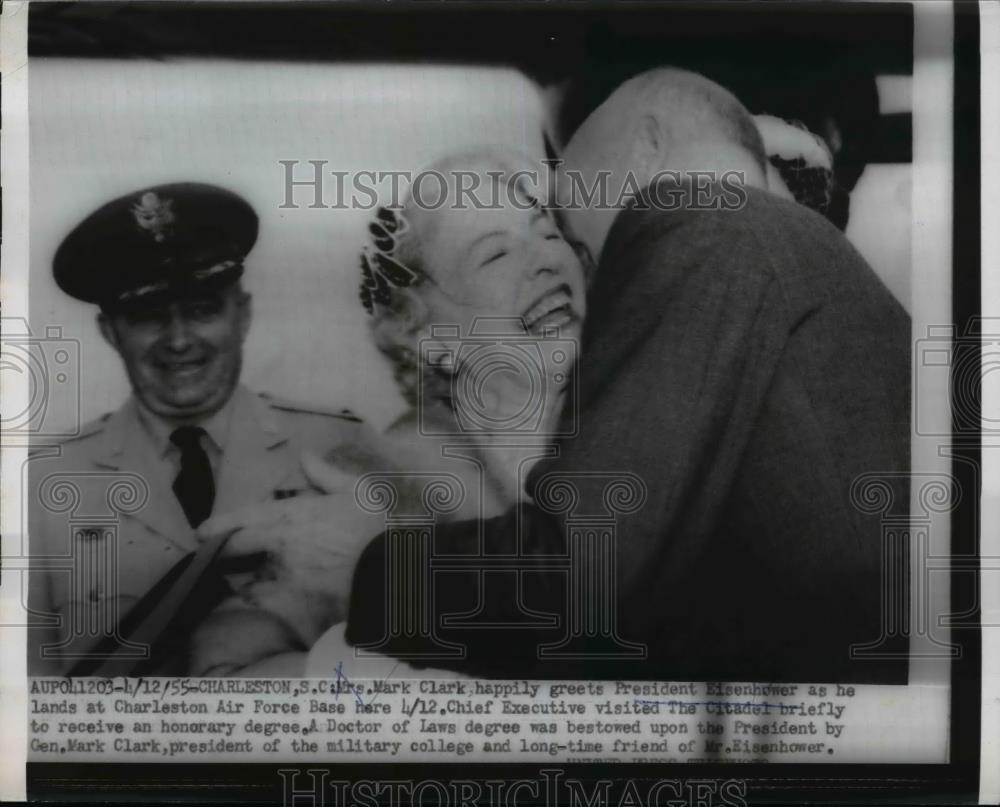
[{"x": 311, "y": 545}]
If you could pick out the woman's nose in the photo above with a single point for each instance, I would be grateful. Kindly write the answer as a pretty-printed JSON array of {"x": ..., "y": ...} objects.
[{"x": 544, "y": 261}]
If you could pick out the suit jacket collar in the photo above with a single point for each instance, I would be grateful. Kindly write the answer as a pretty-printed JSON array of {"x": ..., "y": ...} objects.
[{"x": 669, "y": 194}]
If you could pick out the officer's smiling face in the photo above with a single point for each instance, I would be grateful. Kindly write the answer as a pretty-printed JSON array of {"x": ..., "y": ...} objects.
[{"x": 183, "y": 355}]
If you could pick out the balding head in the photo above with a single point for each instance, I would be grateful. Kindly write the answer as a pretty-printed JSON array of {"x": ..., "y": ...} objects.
[
  {"x": 690, "y": 108},
  {"x": 662, "y": 120}
]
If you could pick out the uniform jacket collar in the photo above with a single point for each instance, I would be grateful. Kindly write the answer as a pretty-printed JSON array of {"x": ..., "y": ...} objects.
[
  {"x": 216, "y": 427},
  {"x": 256, "y": 460}
]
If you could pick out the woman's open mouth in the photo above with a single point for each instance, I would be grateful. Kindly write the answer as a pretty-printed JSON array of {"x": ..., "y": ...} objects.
[{"x": 554, "y": 310}]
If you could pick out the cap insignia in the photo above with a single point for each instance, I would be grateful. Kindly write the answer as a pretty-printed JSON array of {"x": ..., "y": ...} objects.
[{"x": 154, "y": 215}]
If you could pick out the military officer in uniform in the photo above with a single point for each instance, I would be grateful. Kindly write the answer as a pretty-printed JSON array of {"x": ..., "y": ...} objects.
[{"x": 164, "y": 264}]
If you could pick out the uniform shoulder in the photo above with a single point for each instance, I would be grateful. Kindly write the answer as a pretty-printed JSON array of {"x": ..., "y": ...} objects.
[
  {"x": 89, "y": 432},
  {"x": 317, "y": 428},
  {"x": 288, "y": 406}
]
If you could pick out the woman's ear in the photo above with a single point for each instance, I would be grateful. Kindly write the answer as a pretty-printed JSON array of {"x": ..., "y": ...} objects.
[
  {"x": 397, "y": 330},
  {"x": 398, "y": 324}
]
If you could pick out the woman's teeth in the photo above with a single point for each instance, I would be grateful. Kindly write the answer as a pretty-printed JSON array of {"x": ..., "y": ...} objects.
[{"x": 554, "y": 309}]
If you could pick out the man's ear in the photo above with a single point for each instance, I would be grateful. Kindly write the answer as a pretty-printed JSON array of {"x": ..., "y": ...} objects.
[
  {"x": 649, "y": 144},
  {"x": 246, "y": 313},
  {"x": 107, "y": 328}
]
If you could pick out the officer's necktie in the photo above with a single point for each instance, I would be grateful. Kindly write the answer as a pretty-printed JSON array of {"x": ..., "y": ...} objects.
[{"x": 194, "y": 485}]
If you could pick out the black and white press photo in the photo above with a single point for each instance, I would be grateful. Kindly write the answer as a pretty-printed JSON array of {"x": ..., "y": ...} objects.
[{"x": 536, "y": 384}]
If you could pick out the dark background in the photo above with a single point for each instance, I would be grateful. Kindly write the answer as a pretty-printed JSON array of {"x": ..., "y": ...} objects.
[{"x": 813, "y": 62}]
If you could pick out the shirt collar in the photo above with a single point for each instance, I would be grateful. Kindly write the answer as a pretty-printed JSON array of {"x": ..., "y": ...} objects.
[{"x": 216, "y": 427}]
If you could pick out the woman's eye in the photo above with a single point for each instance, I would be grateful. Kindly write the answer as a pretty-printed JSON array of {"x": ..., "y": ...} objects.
[{"x": 495, "y": 257}]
